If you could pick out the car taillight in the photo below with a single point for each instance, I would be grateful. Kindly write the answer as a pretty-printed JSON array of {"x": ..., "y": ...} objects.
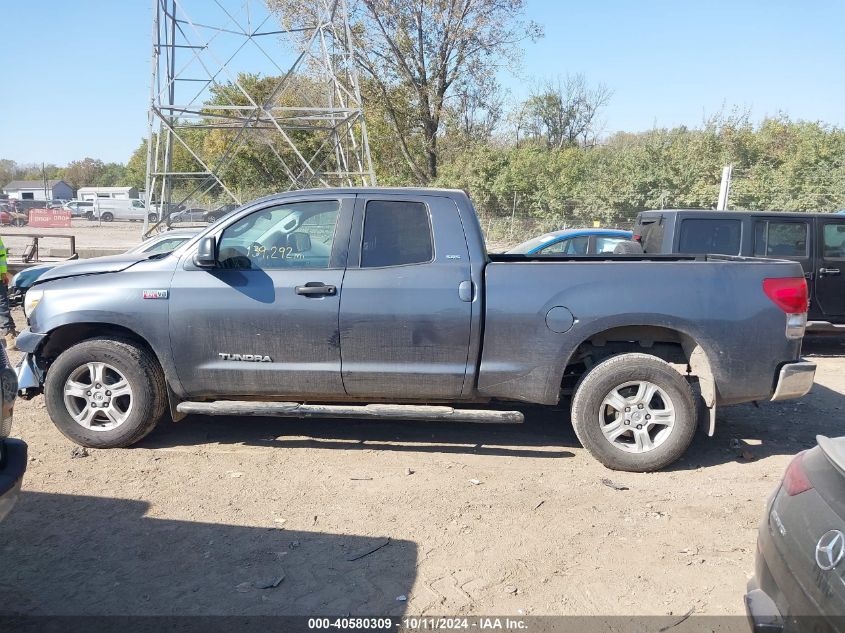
[
  {"x": 788, "y": 293},
  {"x": 637, "y": 238},
  {"x": 795, "y": 480}
]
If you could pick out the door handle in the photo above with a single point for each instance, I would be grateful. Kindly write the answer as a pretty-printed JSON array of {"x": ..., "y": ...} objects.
[
  {"x": 828, "y": 271},
  {"x": 315, "y": 289}
]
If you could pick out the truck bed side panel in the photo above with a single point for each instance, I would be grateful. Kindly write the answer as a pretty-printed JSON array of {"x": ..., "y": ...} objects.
[{"x": 719, "y": 304}]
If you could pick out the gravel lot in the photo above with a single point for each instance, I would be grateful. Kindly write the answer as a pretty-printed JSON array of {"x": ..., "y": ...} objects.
[
  {"x": 202, "y": 511},
  {"x": 88, "y": 234}
]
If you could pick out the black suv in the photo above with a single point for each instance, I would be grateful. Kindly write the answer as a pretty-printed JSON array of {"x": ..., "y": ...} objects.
[{"x": 814, "y": 240}]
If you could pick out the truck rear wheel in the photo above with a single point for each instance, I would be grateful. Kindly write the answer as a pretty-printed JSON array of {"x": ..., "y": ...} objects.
[
  {"x": 105, "y": 393},
  {"x": 634, "y": 412}
]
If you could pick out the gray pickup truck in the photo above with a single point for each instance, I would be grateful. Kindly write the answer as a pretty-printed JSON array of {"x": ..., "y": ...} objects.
[{"x": 385, "y": 303}]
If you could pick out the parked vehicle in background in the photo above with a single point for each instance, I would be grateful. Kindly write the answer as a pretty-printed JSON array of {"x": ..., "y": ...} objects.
[
  {"x": 23, "y": 206},
  {"x": 161, "y": 243},
  {"x": 247, "y": 319},
  {"x": 573, "y": 242},
  {"x": 79, "y": 208},
  {"x": 797, "y": 583},
  {"x": 198, "y": 215},
  {"x": 11, "y": 218},
  {"x": 172, "y": 207},
  {"x": 114, "y": 209},
  {"x": 219, "y": 212},
  {"x": 195, "y": 214},
  {"x": 12, "y": 451},
  {"x": 814, "y": 240}
]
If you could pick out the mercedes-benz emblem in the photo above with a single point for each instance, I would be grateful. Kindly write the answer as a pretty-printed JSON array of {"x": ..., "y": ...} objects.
[{"x": 830, "y": 549}]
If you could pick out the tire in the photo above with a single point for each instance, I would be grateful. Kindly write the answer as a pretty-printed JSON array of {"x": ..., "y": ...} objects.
[
  {"x": 628, "y": 247},
  {"x": 138, "y": 412},
  {"x": 152, "y": 217},
  {"x": 106, "y": 217},
  {"x": 593, "y": 417}
]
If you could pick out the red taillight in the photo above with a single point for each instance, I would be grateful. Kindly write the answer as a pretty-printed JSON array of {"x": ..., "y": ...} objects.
[
  {"x": 788, "y": 293},
  {"x": 638, "y": 238},
  {"x": 795, "y": 479}
]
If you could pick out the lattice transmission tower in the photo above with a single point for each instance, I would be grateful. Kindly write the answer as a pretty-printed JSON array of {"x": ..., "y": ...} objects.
[{"x": 232, "y": 90}]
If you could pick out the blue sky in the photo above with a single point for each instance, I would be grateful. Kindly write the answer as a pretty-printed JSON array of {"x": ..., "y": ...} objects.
[{"x": 76, "y": 74}]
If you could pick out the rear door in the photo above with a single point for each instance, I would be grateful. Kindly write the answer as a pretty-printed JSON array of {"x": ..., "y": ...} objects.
[
  {"x": 405, "y": 311},
  {"x": 830, "y": 267}
]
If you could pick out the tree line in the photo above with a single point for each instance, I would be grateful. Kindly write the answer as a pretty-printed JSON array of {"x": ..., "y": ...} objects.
[
  {"x": 87, "y": 172},
  {"x": 436, "y": 115}
]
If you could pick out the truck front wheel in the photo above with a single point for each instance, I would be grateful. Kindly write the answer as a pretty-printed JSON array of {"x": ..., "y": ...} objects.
[
  {"x": 105, "y": 393},
  {"x": 634, "y": 412}
]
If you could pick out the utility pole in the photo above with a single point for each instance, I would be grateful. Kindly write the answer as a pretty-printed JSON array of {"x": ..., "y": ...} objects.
[{"x": 725, "y": 188}]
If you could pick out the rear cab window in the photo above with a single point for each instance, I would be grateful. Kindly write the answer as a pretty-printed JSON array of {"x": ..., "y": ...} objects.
[
  {"x": 721, "y": 236},
  {"x": 396, "y": 233}
]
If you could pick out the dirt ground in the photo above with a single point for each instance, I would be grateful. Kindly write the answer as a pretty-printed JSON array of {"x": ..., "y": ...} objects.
[{"x": 201, "y": 512}]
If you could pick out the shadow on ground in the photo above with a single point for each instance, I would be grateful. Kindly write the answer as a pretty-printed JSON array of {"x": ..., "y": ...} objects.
[{"x": 80, "y": 555}]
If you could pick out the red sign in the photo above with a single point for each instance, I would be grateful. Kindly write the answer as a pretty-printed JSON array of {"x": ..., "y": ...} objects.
[{"x": 49, "y": 218}]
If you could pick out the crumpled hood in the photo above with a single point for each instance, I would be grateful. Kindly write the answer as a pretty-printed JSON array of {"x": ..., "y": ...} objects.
[{"x": 93, "y": 266}]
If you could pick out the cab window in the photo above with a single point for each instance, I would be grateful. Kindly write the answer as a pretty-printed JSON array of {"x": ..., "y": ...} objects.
[
  {"x": 295, "y": 235},
  {"x": 396, "y": 233}
]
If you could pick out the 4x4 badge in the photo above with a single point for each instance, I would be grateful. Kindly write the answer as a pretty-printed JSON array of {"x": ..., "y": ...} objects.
[{"x": 155, "y": 294}]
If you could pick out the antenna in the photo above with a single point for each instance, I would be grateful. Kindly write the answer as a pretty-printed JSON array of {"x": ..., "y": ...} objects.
[{"x": 228, "y": 82}]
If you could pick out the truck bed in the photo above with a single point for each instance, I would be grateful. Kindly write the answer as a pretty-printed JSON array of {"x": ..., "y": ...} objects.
[{"x": 716, "y": 300}]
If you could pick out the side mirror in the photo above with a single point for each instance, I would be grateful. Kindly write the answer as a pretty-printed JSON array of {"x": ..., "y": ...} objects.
[{"x": 206, "y": 257}]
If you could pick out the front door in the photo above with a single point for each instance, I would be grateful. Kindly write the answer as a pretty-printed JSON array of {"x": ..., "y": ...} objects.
[
  {"x": 406, "y": 307},
  {"x": 264, "y": 322},
  {"x": 830, "y": 268}
]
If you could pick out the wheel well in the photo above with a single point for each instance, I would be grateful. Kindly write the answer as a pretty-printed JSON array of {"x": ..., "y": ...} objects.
[
  {"x": 675, "y": 347},
  {"x": 64, "y": 337}
]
